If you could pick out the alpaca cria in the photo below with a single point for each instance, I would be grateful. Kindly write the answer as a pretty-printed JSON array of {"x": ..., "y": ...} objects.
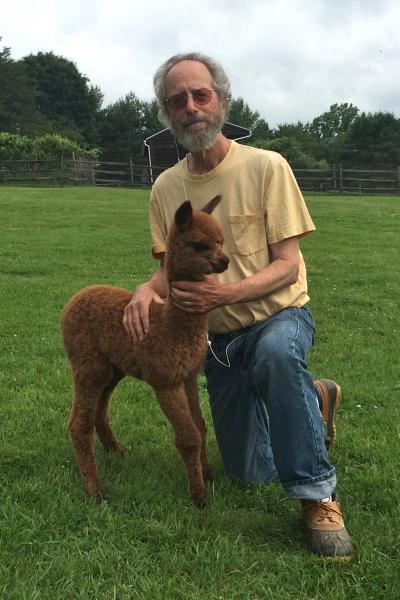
[{"x": 169, "y": 356}]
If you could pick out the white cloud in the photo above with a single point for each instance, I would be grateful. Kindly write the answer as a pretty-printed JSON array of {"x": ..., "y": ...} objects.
[{"x": 289, "y": 59}]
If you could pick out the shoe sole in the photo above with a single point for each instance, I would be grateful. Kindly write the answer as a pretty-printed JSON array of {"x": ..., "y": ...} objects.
[{"x": 330, "y": 403}]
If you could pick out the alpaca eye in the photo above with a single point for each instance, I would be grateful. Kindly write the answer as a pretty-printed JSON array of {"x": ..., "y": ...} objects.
[{"x": 200, "y": 246}]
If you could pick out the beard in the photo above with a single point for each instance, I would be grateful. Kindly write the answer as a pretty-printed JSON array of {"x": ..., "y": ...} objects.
[{"x": 203, "y": 138}]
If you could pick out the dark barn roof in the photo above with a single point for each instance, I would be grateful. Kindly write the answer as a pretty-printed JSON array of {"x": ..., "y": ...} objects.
[{"x": 163, "y": 152}]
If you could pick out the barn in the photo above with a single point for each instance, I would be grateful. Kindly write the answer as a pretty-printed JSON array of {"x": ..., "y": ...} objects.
[{"x": 164, "y": 151}]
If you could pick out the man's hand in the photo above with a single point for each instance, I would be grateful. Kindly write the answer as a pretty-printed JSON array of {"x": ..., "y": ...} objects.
[
  {"x": 199, "y": 296},
  {"x": 136, "y": 313}
]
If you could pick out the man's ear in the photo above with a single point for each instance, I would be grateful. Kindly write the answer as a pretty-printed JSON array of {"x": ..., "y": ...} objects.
[
  {"x": 209, "y": 207},
  {"x": 183, "y": 215}
]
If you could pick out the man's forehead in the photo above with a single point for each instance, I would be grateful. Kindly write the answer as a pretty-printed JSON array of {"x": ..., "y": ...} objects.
[{"x": 186, "y": 71}]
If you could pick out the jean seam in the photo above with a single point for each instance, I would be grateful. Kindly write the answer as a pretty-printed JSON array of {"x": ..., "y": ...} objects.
[
  {"x": 310, "y": 480},
  {"x": 317, "y": 451}
]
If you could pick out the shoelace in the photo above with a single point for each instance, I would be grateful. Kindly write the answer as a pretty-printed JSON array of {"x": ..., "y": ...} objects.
[{"x": 327, "y": 508}]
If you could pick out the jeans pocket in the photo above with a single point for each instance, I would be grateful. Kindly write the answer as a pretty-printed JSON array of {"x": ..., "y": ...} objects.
[{"x": 308, "y": 323}]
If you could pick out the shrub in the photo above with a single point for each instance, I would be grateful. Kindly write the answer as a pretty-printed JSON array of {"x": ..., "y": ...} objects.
[
  {"x": 44, "y": 147},
  {"x": 291, "y": 149}
]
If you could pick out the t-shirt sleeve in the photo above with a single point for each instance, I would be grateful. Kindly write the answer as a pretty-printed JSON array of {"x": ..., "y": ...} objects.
[
  {"x": 158, "y": 227},
  {"x": 286, "y": 213}
]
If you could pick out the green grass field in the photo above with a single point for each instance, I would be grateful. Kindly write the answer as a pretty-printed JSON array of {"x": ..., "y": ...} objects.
[{"x": 149, "y": 542}]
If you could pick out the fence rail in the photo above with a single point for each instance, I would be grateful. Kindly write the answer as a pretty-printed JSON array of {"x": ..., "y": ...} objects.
[{"x": 128, "y": 174}]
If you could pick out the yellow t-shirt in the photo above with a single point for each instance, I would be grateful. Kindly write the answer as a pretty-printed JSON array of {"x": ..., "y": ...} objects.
[{"x": 261, "y": 205}]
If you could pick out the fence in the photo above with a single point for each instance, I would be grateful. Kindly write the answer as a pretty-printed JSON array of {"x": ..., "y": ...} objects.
[
  {"x": 339, "y": 179},
  {"x": 80, "y": 171},
  {"x": 127, "y": 174}
]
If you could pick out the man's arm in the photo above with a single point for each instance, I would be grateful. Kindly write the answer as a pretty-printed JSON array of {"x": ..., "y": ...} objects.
[
  {"x": 209, "y": 294},
  {"x": 136, "y": 313}
]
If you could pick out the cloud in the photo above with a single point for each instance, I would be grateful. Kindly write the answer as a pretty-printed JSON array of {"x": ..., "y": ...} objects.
[{"x": 288, "y": 59}]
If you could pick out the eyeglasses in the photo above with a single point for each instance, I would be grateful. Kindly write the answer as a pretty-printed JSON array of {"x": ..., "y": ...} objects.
[{"x": 202, "y": 96}]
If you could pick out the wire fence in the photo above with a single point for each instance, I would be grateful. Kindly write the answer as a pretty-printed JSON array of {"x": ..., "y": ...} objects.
[{"x": 84, "y": 171}]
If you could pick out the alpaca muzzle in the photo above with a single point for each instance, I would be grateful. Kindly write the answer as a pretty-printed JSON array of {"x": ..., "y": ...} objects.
[{"x": 220, "y": 265}]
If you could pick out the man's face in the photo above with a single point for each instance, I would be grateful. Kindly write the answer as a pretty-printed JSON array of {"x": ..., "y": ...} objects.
[{"x": 195, "y": 127}]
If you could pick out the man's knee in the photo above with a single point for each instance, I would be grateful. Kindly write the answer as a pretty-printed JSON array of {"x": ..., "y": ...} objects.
[
  {"x": 273, "y": 357},
  {"x": 276, "y": 343}
]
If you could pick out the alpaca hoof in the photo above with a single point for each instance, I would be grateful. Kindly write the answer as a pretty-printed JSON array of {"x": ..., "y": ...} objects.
[
  {"x": 100, "y": 497},
  {"x": 200, "y": 504},
  {"x": 199, "y": 499}
]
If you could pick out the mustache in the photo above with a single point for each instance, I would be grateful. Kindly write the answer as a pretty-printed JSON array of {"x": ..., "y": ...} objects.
[{"x": 196, "y": 120}]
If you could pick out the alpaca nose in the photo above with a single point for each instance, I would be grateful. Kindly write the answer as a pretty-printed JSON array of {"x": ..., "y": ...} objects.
[{"x": 221, "y": 264}]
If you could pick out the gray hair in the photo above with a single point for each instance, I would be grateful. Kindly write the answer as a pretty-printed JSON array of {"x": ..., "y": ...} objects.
[{"x": 221, "y": 83}]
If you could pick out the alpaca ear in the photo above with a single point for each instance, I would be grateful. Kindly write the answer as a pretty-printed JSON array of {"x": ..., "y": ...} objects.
[
  {"x": 183, "y": 215},
  {"x": 209, "y": 207}
]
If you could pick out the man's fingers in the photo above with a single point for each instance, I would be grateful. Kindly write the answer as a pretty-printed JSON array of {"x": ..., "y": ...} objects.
[
  {"x": 136, "y": 319},
  {"x": 180, "y": 295},
  {"x": 126, "y": 321},
  {"x": 132, "y": 324},
  {"x": 142, "y": 324}
]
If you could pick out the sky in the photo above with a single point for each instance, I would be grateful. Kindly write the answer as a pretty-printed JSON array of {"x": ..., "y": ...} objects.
[{"x": 289, "y": 59}]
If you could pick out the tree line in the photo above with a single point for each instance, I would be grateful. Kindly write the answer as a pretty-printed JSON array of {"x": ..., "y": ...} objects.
[{"x": 44, "y": 94}]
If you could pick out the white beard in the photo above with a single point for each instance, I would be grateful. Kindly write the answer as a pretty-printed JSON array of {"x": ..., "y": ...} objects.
[{"x": 203, "y": 138}]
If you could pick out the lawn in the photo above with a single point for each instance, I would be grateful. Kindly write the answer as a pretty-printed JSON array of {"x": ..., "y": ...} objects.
[{"x": 148, "y": 542}]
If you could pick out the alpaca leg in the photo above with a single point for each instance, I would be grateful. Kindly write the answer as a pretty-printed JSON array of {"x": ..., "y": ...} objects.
[
  {"x": 187, "y": 438},
  {"x": 88, "y": 388},
  {"x": 192, "y": 393},
  {"x": 102, "y": 422}
]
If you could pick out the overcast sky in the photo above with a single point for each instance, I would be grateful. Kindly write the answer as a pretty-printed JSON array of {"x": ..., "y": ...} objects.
[{"x": 289, "y": 59}]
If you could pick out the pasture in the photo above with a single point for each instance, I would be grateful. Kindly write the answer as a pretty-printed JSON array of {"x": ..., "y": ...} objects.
[{"x": 149, "y": 542}]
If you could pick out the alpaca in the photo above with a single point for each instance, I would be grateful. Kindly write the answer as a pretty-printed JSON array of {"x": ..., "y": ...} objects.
[{"x": 169, "y": 357}]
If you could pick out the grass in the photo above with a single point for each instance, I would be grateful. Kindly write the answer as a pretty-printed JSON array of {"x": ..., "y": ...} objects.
[{"x": 149, "y": 542}]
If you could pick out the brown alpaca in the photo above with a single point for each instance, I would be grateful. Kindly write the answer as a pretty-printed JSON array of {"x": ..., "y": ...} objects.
[{"x": 169, "y": 357}]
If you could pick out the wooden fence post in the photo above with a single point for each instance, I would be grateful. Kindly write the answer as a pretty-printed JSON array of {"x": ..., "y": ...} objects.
[
  {"x": 340, "y": 177},
  {"x": 398, "y": 174},
  {"x": 91, "y": 172},
  {"x": 334, "y": 176},
  {"x": 62, "y": 169},
  {"x": 131, "y": 169},
  {"x": 75, "y": 169}
]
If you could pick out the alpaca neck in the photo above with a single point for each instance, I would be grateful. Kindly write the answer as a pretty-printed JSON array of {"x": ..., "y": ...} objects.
[{"x": 177, "y": 315}]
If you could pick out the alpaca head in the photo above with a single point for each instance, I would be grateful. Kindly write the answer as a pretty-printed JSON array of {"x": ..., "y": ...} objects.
[{"x": 195, "y": 244}]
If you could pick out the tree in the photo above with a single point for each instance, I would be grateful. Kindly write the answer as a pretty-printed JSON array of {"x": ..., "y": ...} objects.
[
  {"x": 124, "y": 125},
  {"x": 64, "y": 95},
  {"x": 329, "y": 131},
  {"x": 334, "y": 122},
  {"x": 18, "y": 112},
  {"x": 299, "y": 131},
  {"x": 241, "y": 114},
  {"x": 374, "y": 138},
  {"x": 292, "y": 150}
]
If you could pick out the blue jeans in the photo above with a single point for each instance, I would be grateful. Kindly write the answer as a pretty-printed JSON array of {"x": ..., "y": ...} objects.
[{"x": 264, "y": 405}]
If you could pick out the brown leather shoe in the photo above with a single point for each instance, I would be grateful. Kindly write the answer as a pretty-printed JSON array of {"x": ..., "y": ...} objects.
[
  {"x": 328, "y": 536},
  {"x": 329, "y": 396}
]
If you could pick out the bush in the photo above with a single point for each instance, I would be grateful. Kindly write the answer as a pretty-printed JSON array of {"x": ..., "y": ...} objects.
[
  {"x": 291, "y": 149},
  {"x": 44, "y": 147}
]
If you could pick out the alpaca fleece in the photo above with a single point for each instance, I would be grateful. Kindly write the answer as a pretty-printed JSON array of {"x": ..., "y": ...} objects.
[{"x": 169, "y": 357}]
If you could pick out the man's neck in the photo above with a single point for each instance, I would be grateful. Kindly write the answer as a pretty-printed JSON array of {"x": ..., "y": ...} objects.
[{"x": 204, "y": 161}]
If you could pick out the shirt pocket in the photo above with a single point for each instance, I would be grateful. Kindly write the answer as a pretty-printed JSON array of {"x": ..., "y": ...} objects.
[{"x": 248, "y": 234}]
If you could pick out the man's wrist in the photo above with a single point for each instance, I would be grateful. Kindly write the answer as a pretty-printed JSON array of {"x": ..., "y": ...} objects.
[{"x": 231, "y": 293}]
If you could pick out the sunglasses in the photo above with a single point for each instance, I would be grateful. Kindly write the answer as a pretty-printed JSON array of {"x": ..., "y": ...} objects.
[{"x": 201, "y": 97}]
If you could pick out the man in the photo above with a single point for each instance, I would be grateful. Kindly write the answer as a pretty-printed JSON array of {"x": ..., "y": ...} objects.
[{"x": 260, "y": 327}]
